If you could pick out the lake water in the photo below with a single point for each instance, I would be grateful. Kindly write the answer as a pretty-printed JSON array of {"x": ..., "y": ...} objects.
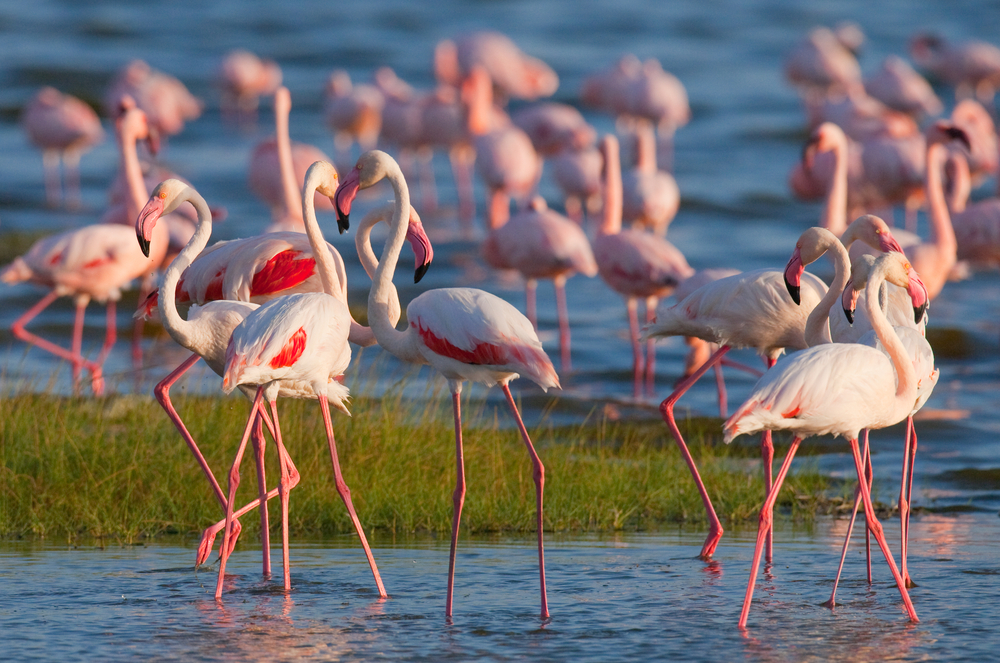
[{"x": 643, "y": 596}]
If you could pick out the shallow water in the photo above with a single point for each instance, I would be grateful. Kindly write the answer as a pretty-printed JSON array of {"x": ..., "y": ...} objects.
[
  {"x": 629, "y": 597},
  {"x": 642, "y": 595}
]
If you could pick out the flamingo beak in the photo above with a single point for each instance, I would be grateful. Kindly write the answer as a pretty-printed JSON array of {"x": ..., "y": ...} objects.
[
  {"x": 849, "y": 300},
  {"x": 153, "y": 141},
  {"x": 887, "y": 243},
  {"x": 918, "y": 295},
  {"x": 793, "y": 276},
  {"x": 421, "y": 245},
  {"x": 343, "y": 198},
  {"x": 144, "y": 225}
]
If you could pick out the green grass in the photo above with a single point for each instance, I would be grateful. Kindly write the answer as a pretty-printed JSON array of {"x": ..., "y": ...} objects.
[{"x": 75, "y": 468}]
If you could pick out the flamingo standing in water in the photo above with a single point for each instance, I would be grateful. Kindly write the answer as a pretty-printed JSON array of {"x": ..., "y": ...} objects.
[
  {"x": 464, "y": 333},
  {"x": 542, "y": 244},
  {"x": 838, "y": 389},
  {"x": 635, "y": 264},
  {"x": 64, "y": 128}
]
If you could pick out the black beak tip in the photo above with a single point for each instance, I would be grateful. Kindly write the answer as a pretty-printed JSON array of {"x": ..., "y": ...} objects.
[
  {"x": 918, "y": 313},
  {"x": 795, "y": 292},
  {"x": 343, "y": 222},
  {"x": 419, "y": 273},
  {"x": 144, "y": 245},
  {"x": 850, "y": 315}
]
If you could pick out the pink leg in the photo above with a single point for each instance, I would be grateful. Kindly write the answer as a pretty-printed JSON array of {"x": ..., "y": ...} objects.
[
  {"x": 110, "y": 333},
  {"x": 234, "y": 482},
  {"x": 720, "y": 383},
  {"x": 458, "y": 497},
  {"x": 71, "y": 168},
  {"x": 53, "y": 183},
  {"x": 905, "y": 522},
  {"x": 870, "y": 478},
  {"x": 283, "y": 490},
  {"x": 651, "y": 303},
  {"x": 764, "y": 527},
  {"x": 667, "y": 410},
  {"x": 847, "y": 539},
  {"x": 742, "y": 367},
  {"x": 75, "y": 358},
  {"x": 539, "y": 477},
  {"x": 77, "y": 342},
  {"x": 530, "y": 307},
  {"x": 876, "y": 528},
  {"x": 563, "y": 312},
  {"x": 637, "y": 363},
  {"x": 259, "y": 445},
  {"x": 767, "y": 455},
  {"x": 499, "y": 208},
  {"x": 345, "y": 493}
]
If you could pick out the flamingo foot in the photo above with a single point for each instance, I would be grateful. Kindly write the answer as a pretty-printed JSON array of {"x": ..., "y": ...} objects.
[
  {"x": 714, "y": 536},
  {"x": 208, "y": 540}
]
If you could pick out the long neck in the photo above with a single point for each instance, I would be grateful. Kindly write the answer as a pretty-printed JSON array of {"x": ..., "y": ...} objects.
[
  {"x": 363, "y": 244},
  {"x": 942, "y": 234},
  {"x": 906, "y": 385},
  {"x": 286, "y": 166},
  {"x": 383, "y": 292},
  {"x": 645, "y": 147},
  {"x": 959, "y": 184},
  {"x": 817, "y": 325},
  {"x": 612, "y": 222},
  {"x": 326, "y": 267},
  {"x": 835, "y": 213},
  {"x": 132, "y": 170},
  {"x": 179, "y": 328}
]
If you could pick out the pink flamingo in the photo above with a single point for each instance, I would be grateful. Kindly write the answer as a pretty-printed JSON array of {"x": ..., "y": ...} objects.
[
  {"x": 166, "y": 101},
  {"x": 542, "y": 244},
  {"x": 578, "y": 175},
  {"x": 64, "y": 128},
  {"x": 899, "y": 86},
  {"x": 922, "y": 356},
  {"x": 634, "y": 264},
  {"x": 976, "y": 225},
  {"x": 514, "y": 73},
  {"x": 650, "y": 197},
  {"x": 464, "y": 333},
  {"x": 972, "y": 67},
  {"x": 838, "y": 389},
  {"x": 862, "y": 117},
  {"x": 277, "y": 164},
  {"x": 93, "y": 262},
  {"x": 244, "y": 78},
  {"x": 822, "y": 64},
  {"x": 982, "y": 152},
  {"x": 505, "y": 158},
  {"x": 554, "y": 127},
  {"x": 354, "y": 112}
]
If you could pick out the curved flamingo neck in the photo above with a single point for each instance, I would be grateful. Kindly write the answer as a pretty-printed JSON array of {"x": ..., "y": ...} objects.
[
  {"x": 612, "y": 222},
  {"x": 835, "y": 213},
  {"x": 942, "y": 234},
  {"x": 363, "y": 238},
  {"x": 383, "y": 291},
  {"x": 180, "y": 329},
  {"x": 817, "y": 330},
  {"x": 906, "y": 385},
  {"x": 326, "y": 268},
  {"x": 132, "y": 170},
  {"x": 960, "y": 183},
  {"x": 283, "y": 145}
]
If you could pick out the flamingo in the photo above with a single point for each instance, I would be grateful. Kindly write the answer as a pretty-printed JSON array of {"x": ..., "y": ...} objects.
[
  {"x": 554, "y": 127},
  {"x": 634, "y": 264},
  {"x": 976, "y": 225},
  {"x": 922, "y": 356},
  {"x": 542, "y": 244},
  {"x": 578, "y": 175},
  {"x": 464, "y": 333},
  {"x": 93, "y": 262},
  {"x": 244, "y": 78},
  {"x": 838, "y": 389},
  {"x": 514, "y": 73},
  {"x": 505, "y": 158},
  {"x": 354, "y": 112},
  {"x": 972, "y": 67},
  {"x": 984, "y": 158},
  {"x": 862, "y": 117},
  {"x": 650, "y": 197},
  {"x": 275, "y": 167},
  {"x": 166, "y": 101},
  {"x": 64, "y": 128},
  {"x": 822, "y": 64},
  {"x": 899, "y": 86}
]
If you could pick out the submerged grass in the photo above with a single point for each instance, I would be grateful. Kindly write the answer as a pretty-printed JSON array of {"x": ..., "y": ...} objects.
[{"x": 116, "y": 468}]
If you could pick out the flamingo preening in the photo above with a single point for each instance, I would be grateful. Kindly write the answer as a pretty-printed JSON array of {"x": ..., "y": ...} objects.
[{"x": 464, "y": 333}]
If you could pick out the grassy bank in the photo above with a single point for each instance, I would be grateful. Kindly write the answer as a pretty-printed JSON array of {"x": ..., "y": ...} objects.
[{"x": 116, "y": 468}]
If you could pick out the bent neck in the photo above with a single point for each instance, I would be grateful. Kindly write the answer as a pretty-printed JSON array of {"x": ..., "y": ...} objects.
[
  {"x": 132, "y": 171},
  {"x": 179, "y": 328},
  {"x": 326, "y": 267},
  {"x": 835, "y": 213},
  {"x": 941, "y": 232},
  {"x": 817, "y": 330},
  {"x": 906, "y": 386}
]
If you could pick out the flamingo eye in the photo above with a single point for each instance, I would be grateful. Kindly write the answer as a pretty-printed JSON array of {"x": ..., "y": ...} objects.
[{"x": 163, "y": 195}]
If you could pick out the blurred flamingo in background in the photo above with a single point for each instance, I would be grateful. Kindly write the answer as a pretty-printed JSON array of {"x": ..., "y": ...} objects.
[
  {"x": 512, "y": 72},
  {"x": 635, "y": 264},
  {"x": 166, "y": 101},
  {"x": 971, "y": 67},
  {"x": 899, "y": 86},
  {"x": 64, "y": 128},
  {"x": 354, "y": 112},
  {"x": 650, "y": 197},
  {"x": 822, "y": 64},
  {"x": 578, "y": 175},
  {"x": 243, "y": 78},
  {"x": 464, "y": 333},
  {"x": 542, "y": 244}
]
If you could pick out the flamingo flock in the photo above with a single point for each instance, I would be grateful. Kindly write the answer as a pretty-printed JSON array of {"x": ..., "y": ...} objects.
[{"x": 270, "y": 313}]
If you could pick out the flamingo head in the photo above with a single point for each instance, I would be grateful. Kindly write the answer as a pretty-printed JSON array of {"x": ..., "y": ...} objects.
[
  {"x": 421, "y": 245},
  {"x": 918, "y": 295},
  {"x": 132, "y": 121},
  {"x": 793, "y": 275},
  {"x": 874, "y": 232},
  {"x": 164, "y": 199},
  {"x": 824, "y": 138},
  {"x": 326, "y": 178},
  {"x": 371, "y": 167},
  {"x": 943, "y": 131}
]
